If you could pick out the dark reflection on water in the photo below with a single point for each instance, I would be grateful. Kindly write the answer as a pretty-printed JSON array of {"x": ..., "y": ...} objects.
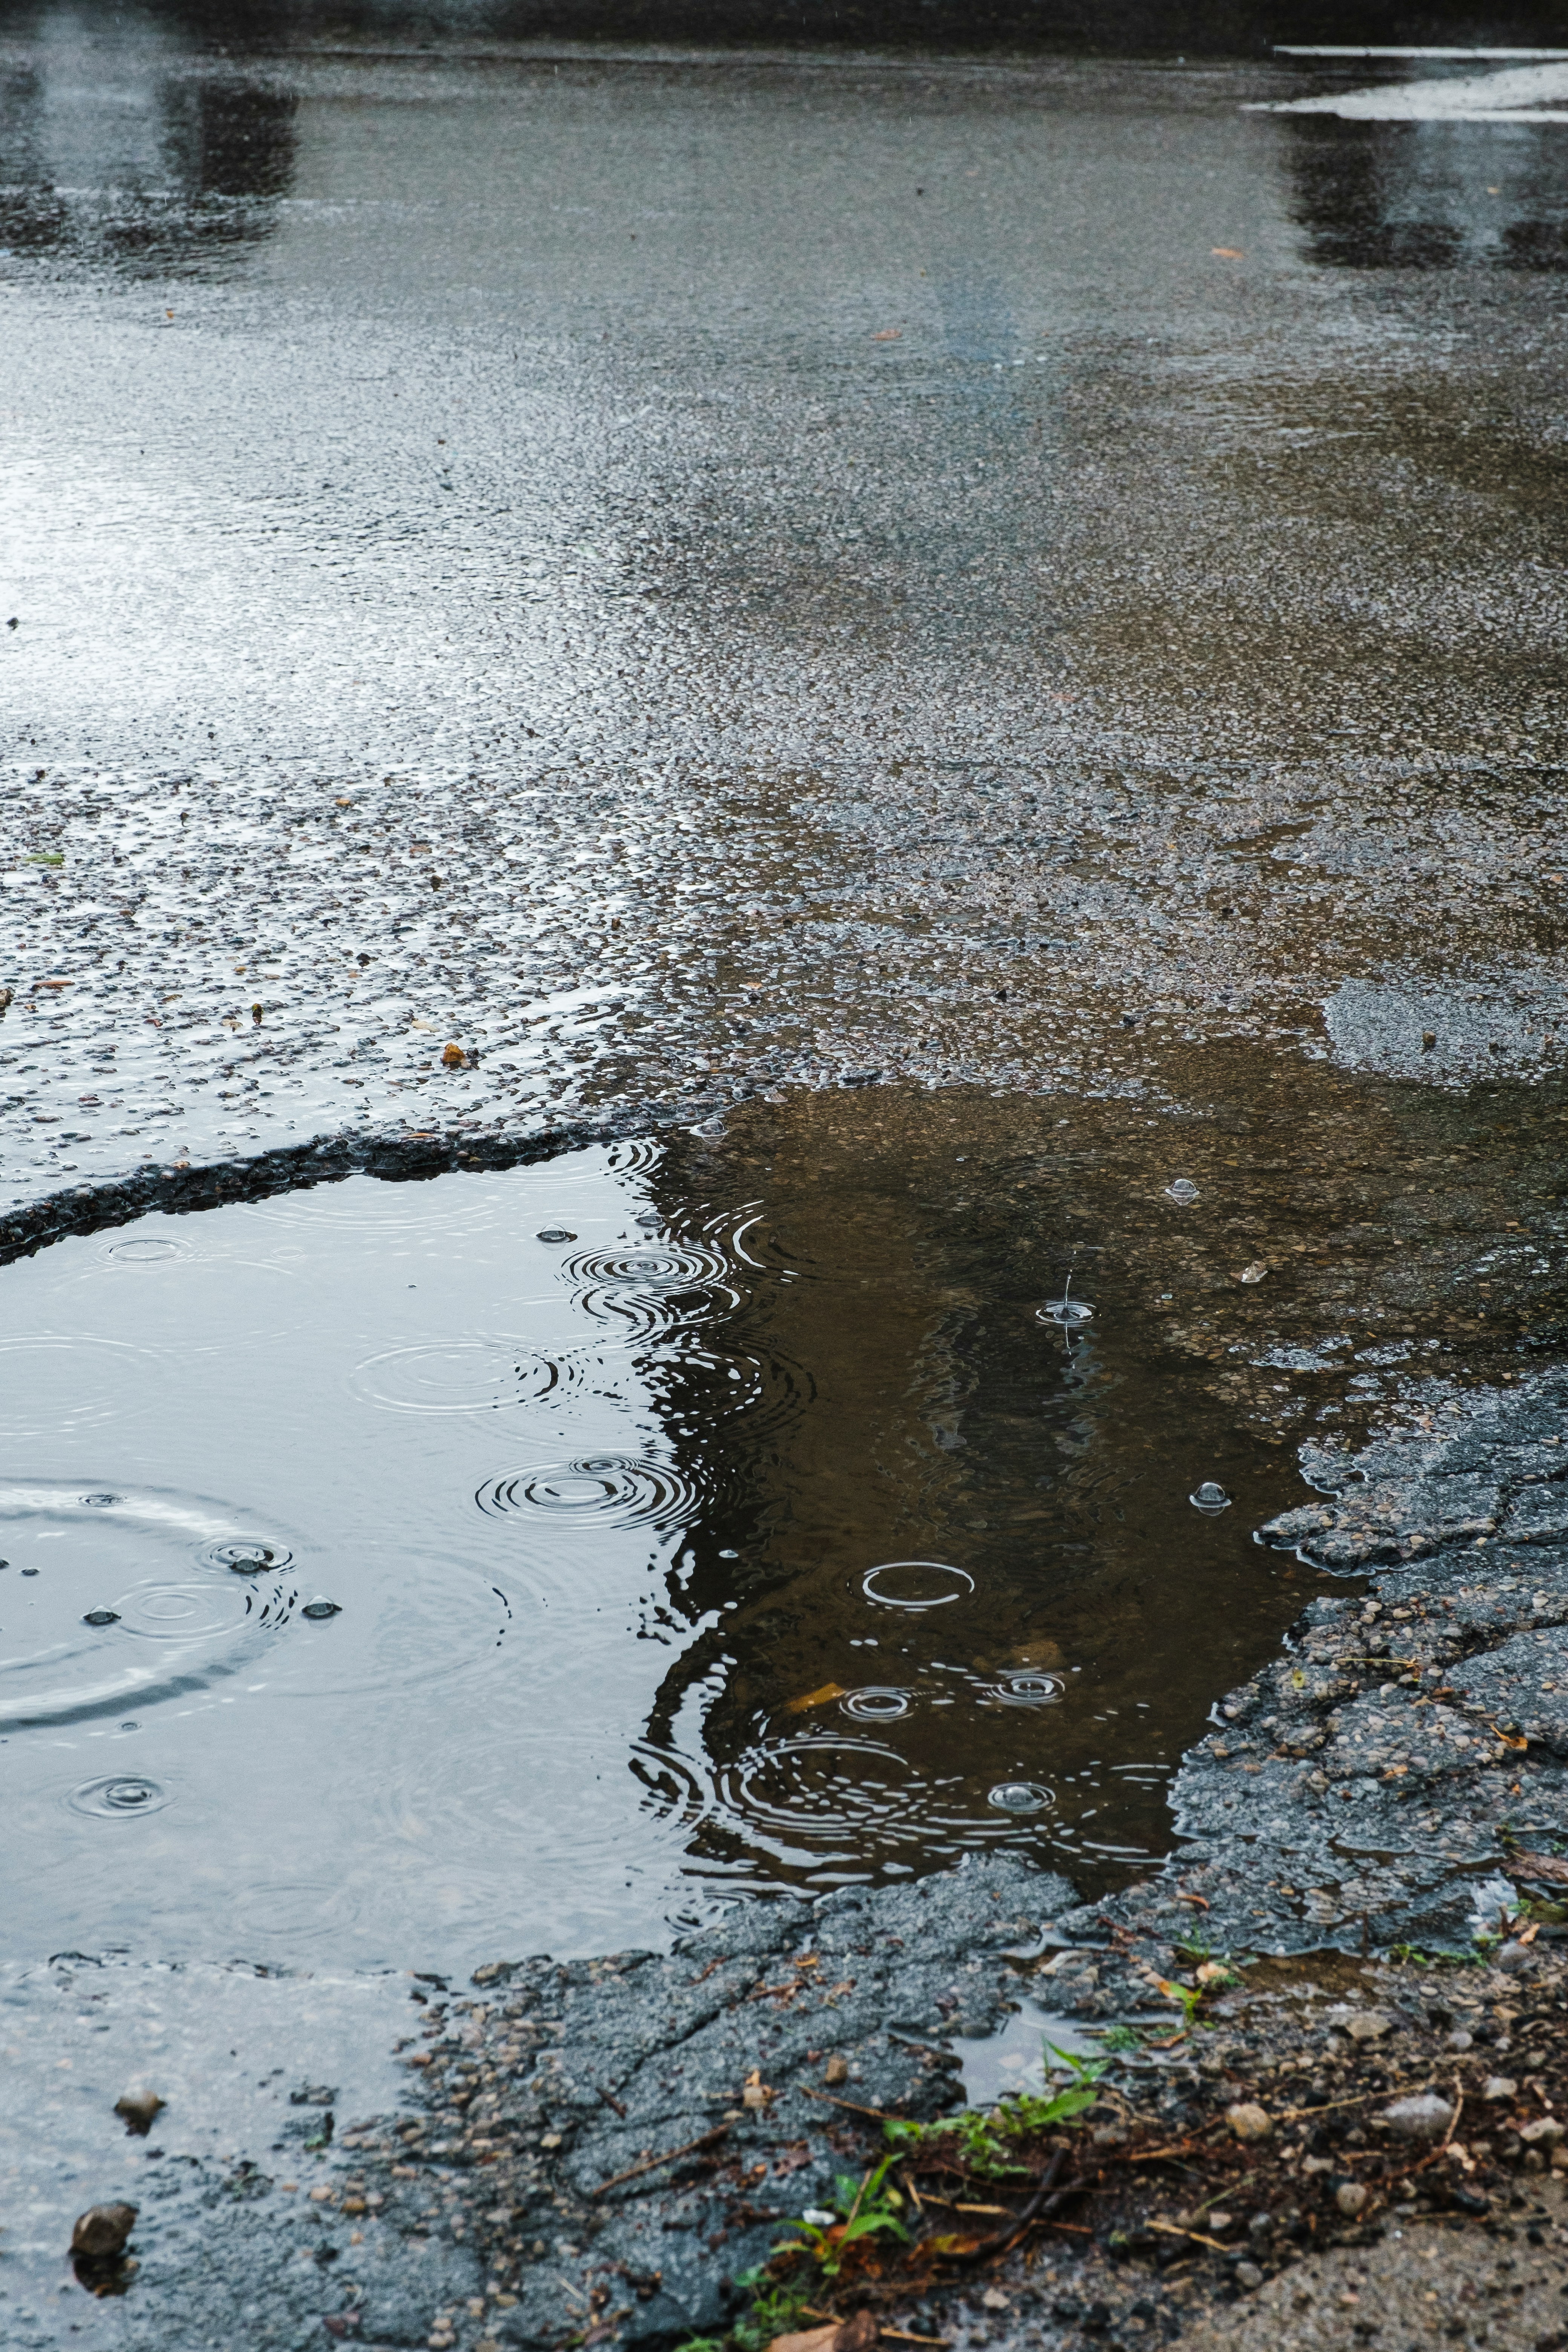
[
  {"x": 428, "y": 1586},
  {"x": 1086, "y": 1600},
  {"x": 113, "y": 151},
  {"x": 1429, "y": 195}
]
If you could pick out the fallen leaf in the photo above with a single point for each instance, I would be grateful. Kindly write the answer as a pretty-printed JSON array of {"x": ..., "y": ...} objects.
[
  {"x": 815, "y": 1698},
  {"x": 1538, "y": 1865},
  {"x": 887, "y": 335},
  {"x": 813, "y": 2339},
  {"x": 756, "y": 2094},
  {"x": 452, "y": 1058},
  {"x": 1254, "y": 1272},
  {"x": 1227, "y": 253}
]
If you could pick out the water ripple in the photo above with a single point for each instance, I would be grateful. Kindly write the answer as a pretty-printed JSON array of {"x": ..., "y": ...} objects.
[
  {"x": 469, "y": 1376},
  {"x": 50, "y": 1383},
  {"x": 916, "y": 1584},
  {"x": 599, "y": 1490},
  {"x": 112, "y": 1596},
  {"x": 122, "y": 1797}
]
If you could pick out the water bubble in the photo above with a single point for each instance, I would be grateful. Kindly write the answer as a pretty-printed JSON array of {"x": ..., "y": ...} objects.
[
  {"x": 1067, "y": 1311},
  {"x": 623, "y": 1490},
  {"x": 873, "y": 1705},
  {"x": 146, "y": 1253},
  {"x": 102, "y": 1617},
  {"x": 1210, "y": 1499},
  {"x": 1029, "y": 1690},
  {"x": 246, "y": 1556},
  {"x": 554, "y": 1234},
  {"x": 116, "y": 1799},
  {"x": 1182, "y": 1190},
  {"x": 320, "y": 1609},
  {"x": 916, "y": 1584},
  {"x": 723, "y": 1555},
  {"x": 1020, "y": 1797},
  {"x": 102, "y": 1502}
]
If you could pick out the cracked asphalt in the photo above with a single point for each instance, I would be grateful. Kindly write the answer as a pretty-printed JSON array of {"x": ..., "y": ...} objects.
[
  {"x": 548, "y": 589},
  {"x": 686, "y": 574}
]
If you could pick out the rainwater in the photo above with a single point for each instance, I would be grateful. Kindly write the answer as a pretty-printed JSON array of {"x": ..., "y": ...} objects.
[{"x": 431, "y": 1571}]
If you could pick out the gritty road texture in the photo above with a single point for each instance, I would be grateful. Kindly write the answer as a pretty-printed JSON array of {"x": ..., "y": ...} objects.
[
  {"x": 716, "y": 574},
  {"x": 681, "y": 577}
]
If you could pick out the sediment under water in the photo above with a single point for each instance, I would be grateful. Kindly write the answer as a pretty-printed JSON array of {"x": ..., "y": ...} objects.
[{"x": 523, "y": 1560}]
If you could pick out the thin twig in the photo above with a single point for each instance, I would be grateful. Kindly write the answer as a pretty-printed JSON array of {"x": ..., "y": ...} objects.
[
  {"x": 876, "y": 2114},
  {"x": 1171, "y": 2230},
  {"x": 610, "y": 2100},
  {"x": 652, "y": 2163}
]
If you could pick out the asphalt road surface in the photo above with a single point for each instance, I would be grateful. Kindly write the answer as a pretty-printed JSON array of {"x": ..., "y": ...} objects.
[
  {"x": 691, "y": 573},
  {"x": 679, "y": 576}
]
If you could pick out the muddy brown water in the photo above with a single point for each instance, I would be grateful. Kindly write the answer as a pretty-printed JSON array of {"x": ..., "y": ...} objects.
[{"x": 710, "y": 1515}]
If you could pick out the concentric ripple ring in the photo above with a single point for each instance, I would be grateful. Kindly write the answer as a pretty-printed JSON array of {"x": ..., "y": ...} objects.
[
  {"x": 128, "y": 1596},
  {"x": 464, "y": 1376},
  {"x": 919, "y": 1578},
  {"x": 1029, "y": 1690},
  {"x": 600, "y": 1489},
  {"x": 120, "y": 1798},
  {"x": 875, "y": 1704}
]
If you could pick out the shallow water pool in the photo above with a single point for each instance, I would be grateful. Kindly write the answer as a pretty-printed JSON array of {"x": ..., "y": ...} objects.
[{"x": 429, "y": 1570}]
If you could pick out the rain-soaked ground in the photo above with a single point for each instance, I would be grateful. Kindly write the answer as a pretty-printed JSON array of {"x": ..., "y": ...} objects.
[{"x": 556, "y": 592}]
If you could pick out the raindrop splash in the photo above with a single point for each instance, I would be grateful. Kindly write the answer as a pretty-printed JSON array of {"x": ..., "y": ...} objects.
[
  {"x": 1020, "y": 1797},
  {"x": 117, "y": 1798},
  {"x": 1029, "y": 1690},
  {"x": 916, "y": 1584},
  {"x": 876, "y": 1704},
  {"x": 620, "y": 1490}
]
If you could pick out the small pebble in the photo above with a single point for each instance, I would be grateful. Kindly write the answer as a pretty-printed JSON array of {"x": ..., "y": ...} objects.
[
  {"x": 1248, "y": 2122},
  {"x": 102, "y": 2231},
  {"x": 1423, "y": 2117}
]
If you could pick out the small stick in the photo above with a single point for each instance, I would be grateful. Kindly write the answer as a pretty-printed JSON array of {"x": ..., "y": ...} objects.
[
  {"x": 652, "y": 2163},
  {"x": 1197, "y": 2236},
  {"x": 875, "y": 2113},
  {"x": 1291, "y": 2115},
  {"x": 610, "y": 2101}
]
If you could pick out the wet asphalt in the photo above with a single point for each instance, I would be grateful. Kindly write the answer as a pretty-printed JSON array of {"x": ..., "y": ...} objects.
[
  {"x": 685, "y": 576},
  {"x": 682, "y": 576}
]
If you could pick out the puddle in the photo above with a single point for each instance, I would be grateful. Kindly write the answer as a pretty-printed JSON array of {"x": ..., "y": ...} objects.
[
  {"x": 1015, "y": 2058},
  {"x": 540, "y": 1558}
]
